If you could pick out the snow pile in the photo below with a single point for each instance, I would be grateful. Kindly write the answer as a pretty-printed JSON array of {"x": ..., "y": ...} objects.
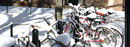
[
  {"x": 3, "y": 18},
  {"x": 6, "y": 41},
  {"x": 103, "y": 11},
  {"x": 63, "y": 38}
]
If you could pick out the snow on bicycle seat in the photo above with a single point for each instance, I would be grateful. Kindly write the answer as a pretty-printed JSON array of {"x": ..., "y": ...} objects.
[
  {"x": 6, "y": 41},
  {"x": 103, "y": 11},
  {"x": 91, "y": 16},
  {"x": 97, "y": 20},
  {"x": 63, "y": 39}
]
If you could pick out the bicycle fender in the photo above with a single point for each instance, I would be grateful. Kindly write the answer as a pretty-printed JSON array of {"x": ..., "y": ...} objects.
[{"x": 117, "y": 28}]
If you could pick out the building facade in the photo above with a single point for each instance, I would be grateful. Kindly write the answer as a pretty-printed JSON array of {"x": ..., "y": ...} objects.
[{"x": 115, "y": 4}]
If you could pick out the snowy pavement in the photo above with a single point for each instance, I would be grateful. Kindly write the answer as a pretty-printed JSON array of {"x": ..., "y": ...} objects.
[{"x": 21, "y": 15}]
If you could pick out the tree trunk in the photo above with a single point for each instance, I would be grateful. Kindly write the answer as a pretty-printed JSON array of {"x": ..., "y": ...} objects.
[{"x": 58, "y": 9}]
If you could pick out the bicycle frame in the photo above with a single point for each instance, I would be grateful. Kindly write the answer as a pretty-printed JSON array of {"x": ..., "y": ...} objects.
[
  {"x": 87, "y": 31},
  {"x": 103, "y": 24}
]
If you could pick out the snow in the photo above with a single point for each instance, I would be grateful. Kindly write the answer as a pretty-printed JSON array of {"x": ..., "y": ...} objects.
[
  {"x": 63, "y": 38},
  {"x": 21, "y": 15},
  {"x": 6, "y": 41},
  {"x": 121, "y": 25},
  {"x": 103, "y": 10},
  {"x": 93, "y": 15}
]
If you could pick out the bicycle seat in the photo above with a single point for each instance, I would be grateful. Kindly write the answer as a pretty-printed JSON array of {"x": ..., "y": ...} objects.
[
  {"x": 63, "y": 40},
  {"x": 97, "y": 20}
]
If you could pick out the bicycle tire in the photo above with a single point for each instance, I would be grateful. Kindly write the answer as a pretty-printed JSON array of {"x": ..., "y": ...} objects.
[
  {"x": 105, "y": 30},
  {"x": 122, "y": 38}
]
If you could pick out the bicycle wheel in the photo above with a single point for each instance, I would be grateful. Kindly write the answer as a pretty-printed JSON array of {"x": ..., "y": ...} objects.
[
  {"x": 108, "y": 37},
  {"x": 120, "y": 40}
]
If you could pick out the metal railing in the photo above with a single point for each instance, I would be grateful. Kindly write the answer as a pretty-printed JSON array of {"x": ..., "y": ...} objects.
[{"x": 11, "y": 25}]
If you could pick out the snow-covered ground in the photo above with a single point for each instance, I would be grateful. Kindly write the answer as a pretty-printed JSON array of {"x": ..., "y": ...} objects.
[{"x": 21, "y": 15}]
